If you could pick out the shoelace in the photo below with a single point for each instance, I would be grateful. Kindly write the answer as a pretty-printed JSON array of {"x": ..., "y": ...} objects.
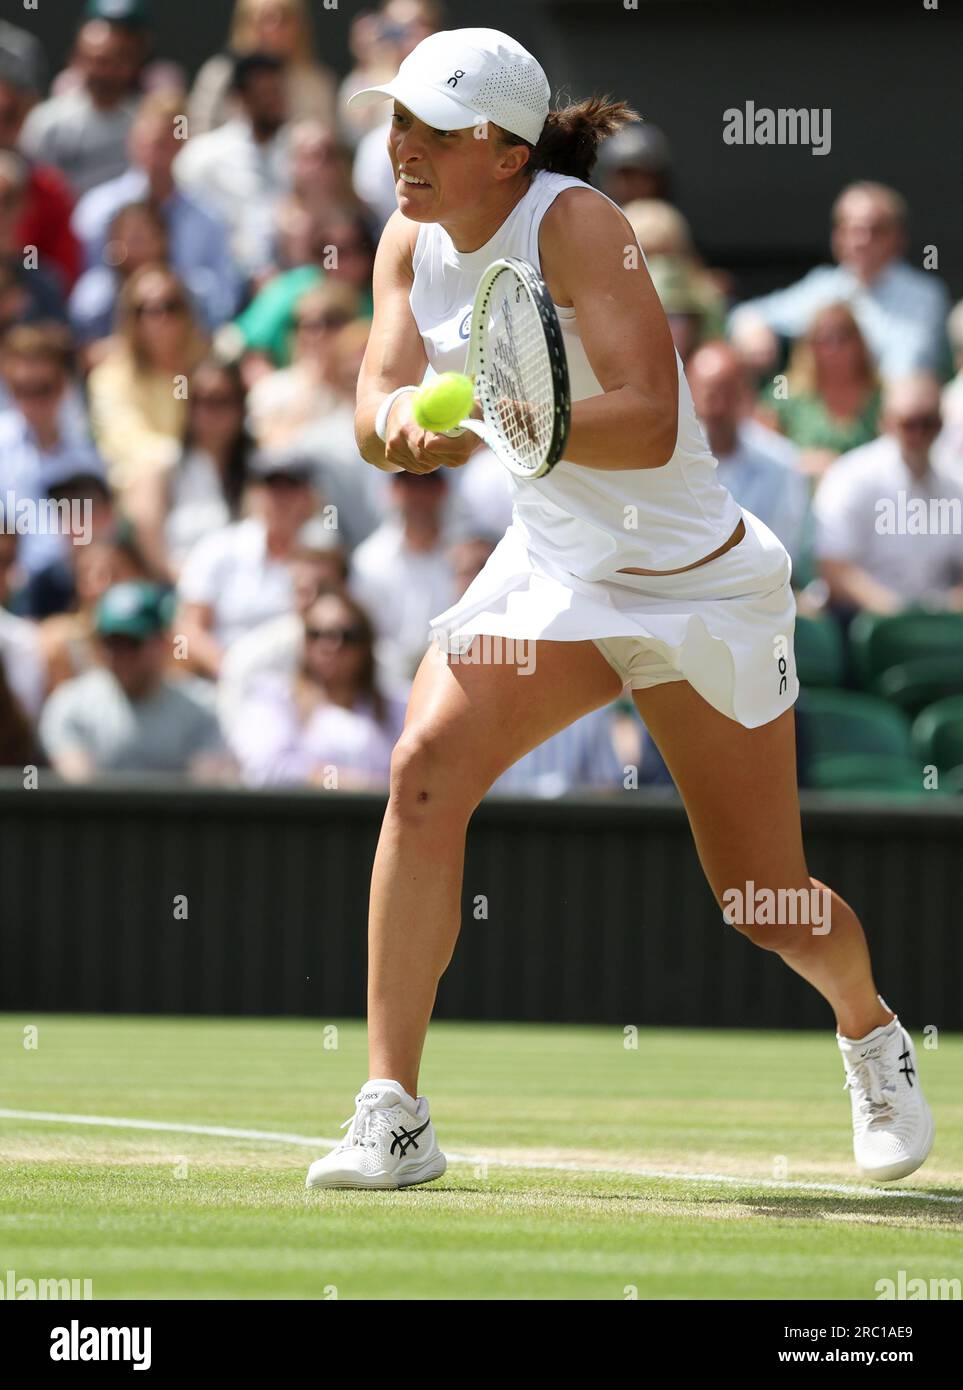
[
  {"x": 368, "y": 1124},
  {"x": 873, "y": 1104}
]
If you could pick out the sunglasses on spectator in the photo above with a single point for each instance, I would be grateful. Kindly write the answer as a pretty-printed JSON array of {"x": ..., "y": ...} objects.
[
  {"x": 158, "y": 308},
  {"x": 213, "y": 401},
  {"x": 35, "y": 390},
  {"x": 120, "y": 643},
  {"x": 352, "y": 636},
  {"x": 919, "y": 423},
  {"x": 323, "y": 323}
]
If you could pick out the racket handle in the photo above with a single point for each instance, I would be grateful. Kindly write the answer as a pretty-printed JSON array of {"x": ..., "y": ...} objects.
[{"x": 452, "y": 434}]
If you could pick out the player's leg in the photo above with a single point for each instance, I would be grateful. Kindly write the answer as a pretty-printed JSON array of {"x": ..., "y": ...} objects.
[
  {"x": 739, "y": 790},
  {"x": 466, "y": 724},
  {"x": 740, "y": 793}
]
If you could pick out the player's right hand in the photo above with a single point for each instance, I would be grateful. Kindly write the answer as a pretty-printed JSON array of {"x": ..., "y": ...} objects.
[{"x": 418, "y": 450}]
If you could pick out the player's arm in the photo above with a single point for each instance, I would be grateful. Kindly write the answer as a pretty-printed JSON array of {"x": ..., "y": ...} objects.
[
  {"x": 395, "y": 355},
  {"x": 586, "y": 247}
]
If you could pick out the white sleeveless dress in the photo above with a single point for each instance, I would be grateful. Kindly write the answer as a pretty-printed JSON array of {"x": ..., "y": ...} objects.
[{"x": 726, "y": 627}]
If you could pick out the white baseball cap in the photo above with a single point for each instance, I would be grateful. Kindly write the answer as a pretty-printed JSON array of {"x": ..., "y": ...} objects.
[{"x": 461, "y": 77}]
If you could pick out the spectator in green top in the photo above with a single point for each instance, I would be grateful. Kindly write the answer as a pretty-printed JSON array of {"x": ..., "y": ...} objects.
[
  {"x": 828, "y": 402},
  {"x": 341, "y": 248}
]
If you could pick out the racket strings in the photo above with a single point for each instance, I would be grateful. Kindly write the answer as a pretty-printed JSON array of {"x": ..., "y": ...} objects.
[{"x": 519, "y": 372}]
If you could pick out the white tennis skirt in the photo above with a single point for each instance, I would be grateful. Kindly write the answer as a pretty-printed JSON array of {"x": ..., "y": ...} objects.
[{"x": 725, "y": 627}]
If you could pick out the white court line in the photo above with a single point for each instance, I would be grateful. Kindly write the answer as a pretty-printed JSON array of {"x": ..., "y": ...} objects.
[{"x": 278, "y": 1137}]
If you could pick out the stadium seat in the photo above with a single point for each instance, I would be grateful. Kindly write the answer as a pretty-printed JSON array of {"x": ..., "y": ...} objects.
[
  {"x": 915, "y": 684},
  {"x": 820, "y": 653},
  {"x": 870, "y": 772},
  {"x": 938, "y": 734},
  {"x": 843, "y": 722},
  {"x": 881, "y": 642}
]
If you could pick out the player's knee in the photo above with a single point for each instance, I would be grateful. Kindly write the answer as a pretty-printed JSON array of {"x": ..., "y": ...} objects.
[{"x": 426, "y": 779}]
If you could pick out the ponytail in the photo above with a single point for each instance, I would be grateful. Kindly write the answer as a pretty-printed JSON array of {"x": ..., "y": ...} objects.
[{"x": 570, "y": 139}]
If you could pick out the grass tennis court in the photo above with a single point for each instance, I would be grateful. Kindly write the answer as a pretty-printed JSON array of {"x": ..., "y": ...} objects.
[{"x": 164, "y": 1214}]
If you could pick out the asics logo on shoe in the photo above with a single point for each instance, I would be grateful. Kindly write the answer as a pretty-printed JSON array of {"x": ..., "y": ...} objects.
[
  {"x": 406, "y": 1139},
  {"x": 369, "y": 1095},
  {"x": 907, "y": 1069}
]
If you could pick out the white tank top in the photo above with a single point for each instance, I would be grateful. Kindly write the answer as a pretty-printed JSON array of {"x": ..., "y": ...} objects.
[{"x": 589, "y": 521}]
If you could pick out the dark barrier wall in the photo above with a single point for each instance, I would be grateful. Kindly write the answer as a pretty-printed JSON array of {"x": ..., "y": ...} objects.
[
  {"x": 581, "y": 911},
  {"x": 888, "y": 71}
]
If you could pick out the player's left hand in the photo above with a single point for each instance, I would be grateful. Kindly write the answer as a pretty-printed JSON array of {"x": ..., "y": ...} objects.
[{"x": 417, "y": 450}]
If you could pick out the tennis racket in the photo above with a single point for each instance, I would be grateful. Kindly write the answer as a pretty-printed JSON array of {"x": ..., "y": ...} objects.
[{"x": 516, "y": 357}]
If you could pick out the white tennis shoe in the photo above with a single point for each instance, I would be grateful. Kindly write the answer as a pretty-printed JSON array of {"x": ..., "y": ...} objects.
[
  {"x": 390, "y": 1143},
  {"x": 892, "y": 1123}
]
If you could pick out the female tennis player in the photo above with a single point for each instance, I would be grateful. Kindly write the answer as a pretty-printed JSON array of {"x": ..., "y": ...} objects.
[{"x": 627, "y": 564}]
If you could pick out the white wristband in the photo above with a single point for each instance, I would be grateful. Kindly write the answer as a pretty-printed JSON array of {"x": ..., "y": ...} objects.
[{"x": 381, "y": 419}]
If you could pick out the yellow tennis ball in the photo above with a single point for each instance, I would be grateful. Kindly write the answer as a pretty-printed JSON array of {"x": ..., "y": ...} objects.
[{"x": 445, "y": 403}]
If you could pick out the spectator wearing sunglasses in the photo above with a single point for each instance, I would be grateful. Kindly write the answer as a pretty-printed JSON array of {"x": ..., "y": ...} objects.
[
  {"x": 127, "y": 715},
  {"x": 196, "y": 235},
  {"x": 138, "y": 406},
  {"x": 320, "y": 189},
  {"x": 283, "y": 404},
  {"x": 328, "y": 725},
  {"x": 276, "y": 647},
  {"x": 136, "y": 237},
  {"x": 379, "y": 41},
  {"x": 202, "y": 491},
  {"x": 874, "y": 556},
  {"x": 339, "y": 249}
]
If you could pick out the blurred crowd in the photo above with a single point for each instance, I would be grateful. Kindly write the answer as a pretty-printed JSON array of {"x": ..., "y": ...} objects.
[{"x": 198, "y": 573}]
